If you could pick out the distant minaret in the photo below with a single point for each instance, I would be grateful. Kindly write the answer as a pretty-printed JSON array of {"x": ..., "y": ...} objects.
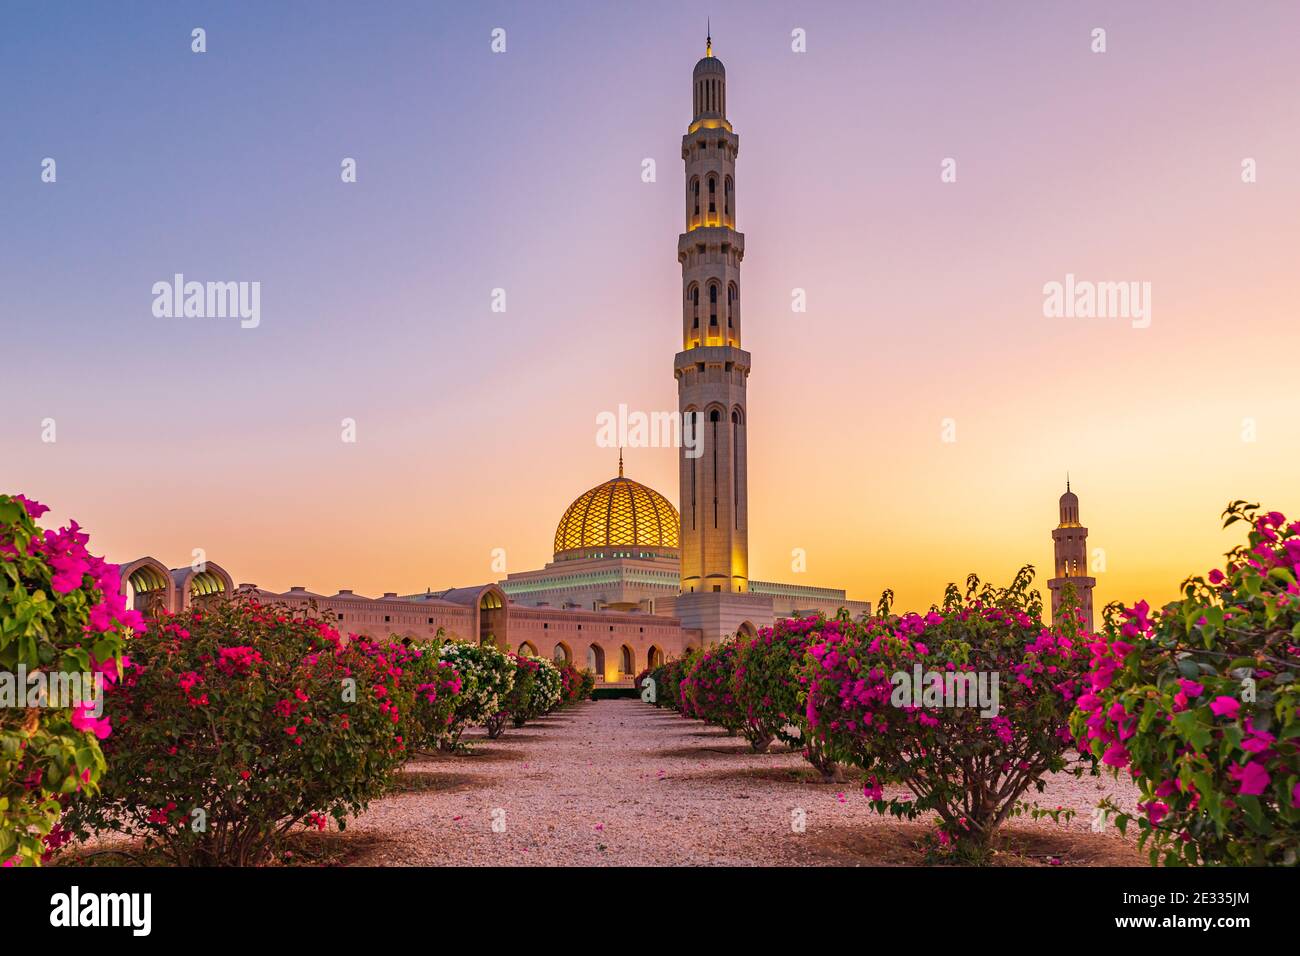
[
  {"x": 712, "y": 368},
  {"x": 1071, "y": 544}
]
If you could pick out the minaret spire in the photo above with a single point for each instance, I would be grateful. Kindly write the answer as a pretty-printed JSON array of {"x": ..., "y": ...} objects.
[
  {"x": 620, "y": 463},
  {"x": 1070, "y": 544},
  {"x": 708, "y": 40}
]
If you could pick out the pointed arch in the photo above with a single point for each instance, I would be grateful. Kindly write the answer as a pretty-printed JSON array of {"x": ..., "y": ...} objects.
[
  {"x": 148, "y": 586},
  {"x": 195, "y": 588}
]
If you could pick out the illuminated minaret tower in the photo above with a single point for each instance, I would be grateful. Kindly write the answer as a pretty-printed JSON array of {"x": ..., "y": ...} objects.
[
  {"x": 1070, "y": 540},
  {"x": 712, "y": 368}
]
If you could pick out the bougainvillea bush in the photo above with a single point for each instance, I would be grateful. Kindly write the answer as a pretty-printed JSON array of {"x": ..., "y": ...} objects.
[
  {"x": 487, "y": 674},
  {"x": 575, "y": 684},
  {"x": 61, "y": 612},
  {"x": 433, "y": 685},
  {"x": 668, "y": 683},
  {"x": 770, "y": 687},
  {"x": 536, "y": 690},
  {"x": 235, "y": 723},
  {"x": 710, "y": 686},
  {"x": 570, "y": 684},
  {"x": 1199, "y": 703},
  {"x": 951, "y": 753}
]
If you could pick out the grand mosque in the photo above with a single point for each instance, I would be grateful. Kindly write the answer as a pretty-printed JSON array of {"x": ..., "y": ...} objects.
[{"x": 633, "y": 580}]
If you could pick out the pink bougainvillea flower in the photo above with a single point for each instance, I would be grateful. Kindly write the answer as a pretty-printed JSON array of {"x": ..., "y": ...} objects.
[
  {"x": 1155, "y": 811},
  {"x": 1225, "y": 706},
  {"x": 1116, "y": 756},
  {"x": 84, "y": 720},
  {"x": 34, "y": 508},
  {"x": 1252, "y": 779}
]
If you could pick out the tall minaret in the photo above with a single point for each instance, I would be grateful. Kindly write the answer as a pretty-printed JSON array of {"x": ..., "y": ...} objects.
[
  {"x": 711, "y": 368},
  {"x": 1071, "y": 544}
]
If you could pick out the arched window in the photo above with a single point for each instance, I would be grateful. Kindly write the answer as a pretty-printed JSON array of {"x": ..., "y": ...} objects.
[
  {"x": 626, "y": 661},
  {"x": 696, "y": 185},
  {"x": 726, "y": 197},
  {"x": 527, "y": 649},
  {"x": 596, "y": 661},
  {"x": 732, "y": 294},
  {"x": 713, "y": 189},
  {"x": 695, "y": 306},
  {"x": 713, "y": 303}
]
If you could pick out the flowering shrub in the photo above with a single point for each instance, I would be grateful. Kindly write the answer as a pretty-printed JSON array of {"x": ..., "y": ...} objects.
[
  {"x": 536, "y": 689},
  {"x": 546, "y": 689},
  {"x": 960, "y": 761},
  {"x": 433, "y": 686},
  {"x": 570, "y": 683},
  {"x": 668, "y": 683},
  {"x": 61, "y": 612},
  {"x": 236, "y": 722},
  {"x": 710, "y": 686},
  {"x": 770, "y": 686},
  {"x": 487, "y": 674},
  {"x": 575, "y": 684},
  {"x": 1199, "y": 703}
]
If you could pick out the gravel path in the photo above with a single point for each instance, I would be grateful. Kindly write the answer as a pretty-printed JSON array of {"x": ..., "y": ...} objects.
[{"x": 618, "y": 782}]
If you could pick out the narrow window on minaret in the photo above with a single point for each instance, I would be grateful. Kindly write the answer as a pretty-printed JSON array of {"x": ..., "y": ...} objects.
[
  {"x": 695, "y": 307},
  {"x": 694, "y": 466},
  {"x": 713, "y": 440},
  {"x": 697, "y": 198},
  {"x": 726, "y": 197},
  {"x": 713, "y": 189},
  {"x": 735, "y": 467},
  {"x": 713, "y": 305}
]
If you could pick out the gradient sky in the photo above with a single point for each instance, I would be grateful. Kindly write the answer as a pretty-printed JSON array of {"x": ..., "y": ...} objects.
[{"x": 522, "y": 170}]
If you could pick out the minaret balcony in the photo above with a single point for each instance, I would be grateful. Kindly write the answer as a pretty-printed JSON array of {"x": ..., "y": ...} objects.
[{"x": 713, "y": 237}]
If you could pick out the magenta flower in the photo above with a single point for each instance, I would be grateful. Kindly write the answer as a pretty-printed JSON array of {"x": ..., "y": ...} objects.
[
  {"x": 1225, "y": 706},
  {"x": 1116, "y": 756},
  {"x": 1252, "y": 779}
]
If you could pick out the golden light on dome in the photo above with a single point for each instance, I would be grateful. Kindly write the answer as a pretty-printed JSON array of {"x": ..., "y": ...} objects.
[{"x": 619, "y": 513}]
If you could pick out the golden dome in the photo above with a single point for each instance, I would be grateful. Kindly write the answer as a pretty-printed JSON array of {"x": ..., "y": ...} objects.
[{"x": 619, "y": 513}]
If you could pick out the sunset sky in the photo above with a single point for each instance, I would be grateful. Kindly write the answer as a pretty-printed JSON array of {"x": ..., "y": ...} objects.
[{"x": 522, "y": 171}]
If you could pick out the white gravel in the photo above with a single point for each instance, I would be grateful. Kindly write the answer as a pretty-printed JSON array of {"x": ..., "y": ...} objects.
[{"x": 618, "y": 782}]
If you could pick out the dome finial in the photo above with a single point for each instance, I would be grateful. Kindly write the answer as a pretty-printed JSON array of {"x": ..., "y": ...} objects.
[
  {"x": 1067, "y": 481},
  {"x": 620, "y": 463},
  {"x": 708, "y": 39}
]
